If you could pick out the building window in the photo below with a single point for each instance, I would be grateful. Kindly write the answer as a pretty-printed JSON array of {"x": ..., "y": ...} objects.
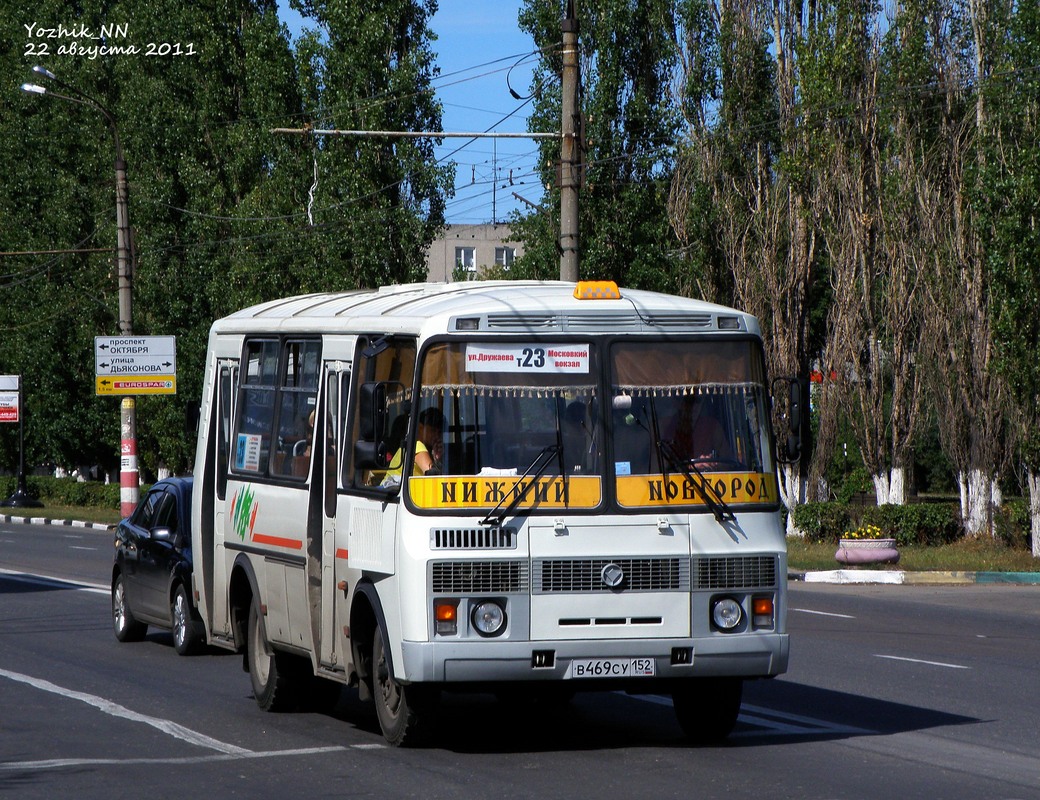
[
  {"x": 504, "y": 256},
  {"x": 466, "y": 258}
]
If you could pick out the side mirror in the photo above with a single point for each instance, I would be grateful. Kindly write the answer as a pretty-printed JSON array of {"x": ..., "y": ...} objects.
[
  {"x": 794, "y": 418},
  {"x": 372, "y": 411},
  {"x": 160, "y": 534}
]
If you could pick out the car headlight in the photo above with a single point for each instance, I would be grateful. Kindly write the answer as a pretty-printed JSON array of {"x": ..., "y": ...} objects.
[
  {"x": 726, "y": 613},
  {"x": 489, "y": 618}
]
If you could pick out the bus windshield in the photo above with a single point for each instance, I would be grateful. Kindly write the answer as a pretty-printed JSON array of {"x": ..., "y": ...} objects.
[
  {"x": 689, "y": 406},
  {"x": 504, "y": 404},
  {"x": 674, "y": 413}
]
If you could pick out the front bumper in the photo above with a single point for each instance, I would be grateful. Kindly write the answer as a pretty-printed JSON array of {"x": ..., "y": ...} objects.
[{"x": 747, "y": 656}]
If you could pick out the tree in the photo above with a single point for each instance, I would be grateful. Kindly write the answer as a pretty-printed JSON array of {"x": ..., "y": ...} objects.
[
  {"x": 627, "y": 54},
  {"x": 1008, "y": 210},
  {"x": 224, "y": 213}
]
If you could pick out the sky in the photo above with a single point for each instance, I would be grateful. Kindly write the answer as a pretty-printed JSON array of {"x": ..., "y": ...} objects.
[{"x": 481, "y": 54}]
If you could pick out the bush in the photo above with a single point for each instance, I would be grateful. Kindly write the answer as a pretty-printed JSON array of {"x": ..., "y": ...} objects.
[
  {"x": 917, "y": 523},
  {"x": 1011, "y": 524},
  {"x": 822, "y": 522},
  {"x": 65, "y": 491}
]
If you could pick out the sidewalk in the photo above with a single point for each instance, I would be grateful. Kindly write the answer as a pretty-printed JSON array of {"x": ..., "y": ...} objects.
[
  {"x": 895, "y": 576},
  {"x": 11, "y": 519}
]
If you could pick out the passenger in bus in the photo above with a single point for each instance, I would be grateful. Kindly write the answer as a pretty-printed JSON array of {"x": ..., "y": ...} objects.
[
  {"x": 428, "y": 444},
  {"x": 699, "y": 435}
]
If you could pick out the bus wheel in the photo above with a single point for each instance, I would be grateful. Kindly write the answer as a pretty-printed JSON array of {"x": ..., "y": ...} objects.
[
  {"x": 404, "y": 712},
  {"x": 126, "y": 627},
  {"x": 269, "y": 670},
  {"x": 707, "y": 708}
]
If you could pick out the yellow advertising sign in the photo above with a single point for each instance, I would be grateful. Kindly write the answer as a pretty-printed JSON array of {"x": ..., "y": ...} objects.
[
  {"x": 641, "y": 491},
  {"x": 472, "y": 491},
  {"x": 153, "y": 384}
]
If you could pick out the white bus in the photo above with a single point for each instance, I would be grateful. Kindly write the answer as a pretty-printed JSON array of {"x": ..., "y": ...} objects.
[{"x": 599, "y": 509}]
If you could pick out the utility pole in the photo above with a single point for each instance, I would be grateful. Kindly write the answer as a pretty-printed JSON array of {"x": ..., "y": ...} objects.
[{"x": 569, "y": 148}]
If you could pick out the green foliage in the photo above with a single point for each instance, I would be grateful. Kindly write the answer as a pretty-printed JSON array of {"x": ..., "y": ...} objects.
[
  {"x": 917, "y": 523},
  {"x": 1011, "y": 524},
  {"x": 822, "y": 522},
  {"x": 64, "y": 491},
  {"x": 627, "y": 55},
  {"x": 218, "y": 205}
]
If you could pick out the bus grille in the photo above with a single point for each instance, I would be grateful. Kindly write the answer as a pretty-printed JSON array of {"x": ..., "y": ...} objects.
[
  {"x": 586, "y": 575},
  {"x": 740, "y": 572},
  {"x": 479, "y": 577},
  {"x": 473, "y": 538}
]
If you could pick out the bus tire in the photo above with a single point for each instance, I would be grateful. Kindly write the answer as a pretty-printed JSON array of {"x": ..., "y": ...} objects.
[
  {"x": 187, "y": 628},
  {"x": 269, "y": 670},
  {"x": 127, "y": 628},
  {"x": 404, "y": 711},
  {"x": 707, "y": 708}
]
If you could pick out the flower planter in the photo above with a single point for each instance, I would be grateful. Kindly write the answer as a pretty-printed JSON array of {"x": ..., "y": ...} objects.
[{"x": 867, "y": 551}]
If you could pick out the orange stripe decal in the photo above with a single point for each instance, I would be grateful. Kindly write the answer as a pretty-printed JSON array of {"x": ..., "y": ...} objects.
[
  {"x": 278, "y": 541},
  {"x": 341, "y": 553}
]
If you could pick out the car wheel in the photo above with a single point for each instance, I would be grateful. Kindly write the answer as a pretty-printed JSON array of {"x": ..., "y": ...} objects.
[
  {"x": 187, "y": 636},
  {"x": 707, "y": 708},
  {"x": 127, "y": 629},
  {"x": 405, "y": 711},
  {"x": 270, "y": 671}
]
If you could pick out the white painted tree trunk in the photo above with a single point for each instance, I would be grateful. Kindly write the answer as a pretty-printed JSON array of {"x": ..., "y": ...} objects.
[
  {"x": 890, "y": 486},
  {"x": 1033, "y": 479},
  {"x": 162, "y": 472},
  {"x": 882, "y": 487},
  {"x": 977, "y": 501},
  {"x": 793, "y": 491},
  {"x": 897, "y": 486}
]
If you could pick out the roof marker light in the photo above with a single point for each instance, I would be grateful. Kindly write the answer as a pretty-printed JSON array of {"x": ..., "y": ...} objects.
[{"x": 596, "y": 290}]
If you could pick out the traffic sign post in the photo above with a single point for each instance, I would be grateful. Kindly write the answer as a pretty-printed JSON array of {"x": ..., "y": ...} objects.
[
  {"x": 135, "y": 365},
  {"x": 132, "y": 365},
  {"x": 11, "y": 411}
]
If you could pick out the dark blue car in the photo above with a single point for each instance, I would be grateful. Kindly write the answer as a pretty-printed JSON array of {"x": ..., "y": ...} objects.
[{"x": 151, "y": 576}]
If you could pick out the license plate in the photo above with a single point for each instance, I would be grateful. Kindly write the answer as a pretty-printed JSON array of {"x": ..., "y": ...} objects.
[{"x": 611, "y": 668}]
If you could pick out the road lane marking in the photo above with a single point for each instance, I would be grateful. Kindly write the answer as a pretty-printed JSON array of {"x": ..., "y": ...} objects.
[
  {"x": 57, "y": 763},
  {"x": 56, "y": 583},
  {"x": 823, "y": 613},
  {"x": 922, "y": 661},
  {"x": 114, "y": 709}
]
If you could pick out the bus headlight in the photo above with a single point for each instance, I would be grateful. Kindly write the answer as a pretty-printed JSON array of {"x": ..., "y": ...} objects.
[
  {"x": 489, "y": 618},
  {"x": 726, "y": 613}
]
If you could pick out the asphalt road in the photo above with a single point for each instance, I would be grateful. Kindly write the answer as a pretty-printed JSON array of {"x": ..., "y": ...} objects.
[{"x": 898, "y": 691}]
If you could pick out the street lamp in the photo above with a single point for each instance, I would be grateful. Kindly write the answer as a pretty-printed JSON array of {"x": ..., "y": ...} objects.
[{"x": 128, "y": 480}]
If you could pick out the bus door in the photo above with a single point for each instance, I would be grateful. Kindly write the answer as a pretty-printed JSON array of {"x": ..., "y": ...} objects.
[
  {"x": 380, "y": 413},
  {"x": 331, "y": 601},
  {"x": 211, "y": 557}
]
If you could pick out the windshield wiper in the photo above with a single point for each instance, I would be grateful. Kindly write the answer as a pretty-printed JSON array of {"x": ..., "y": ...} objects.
[
  {"x": 712, "y": 498},
  {"x": 538, "y": 467},
  {"x": 668, "y": 458}
]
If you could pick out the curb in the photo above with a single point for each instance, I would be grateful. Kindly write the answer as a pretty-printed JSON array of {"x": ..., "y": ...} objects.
[
  {"x": 903, "y": 577},
  {"x": 12, "y": 520}
]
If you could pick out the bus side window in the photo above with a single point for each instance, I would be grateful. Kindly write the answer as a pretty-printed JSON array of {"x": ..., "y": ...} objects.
[
  {"x": 385, "y": 370},
  {"x": 274, "y": 423}
]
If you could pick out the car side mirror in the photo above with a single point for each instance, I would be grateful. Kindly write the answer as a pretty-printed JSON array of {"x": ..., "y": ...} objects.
[{"x": 160, "y": 534}]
